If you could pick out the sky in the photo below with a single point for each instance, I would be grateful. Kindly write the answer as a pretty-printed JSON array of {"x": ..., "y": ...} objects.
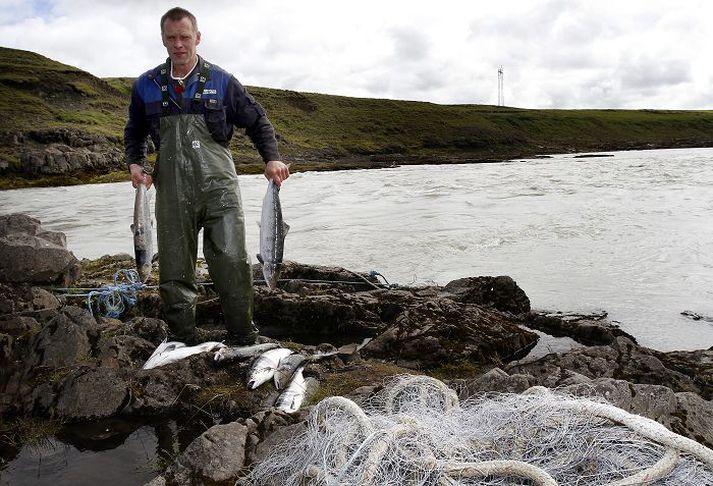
[{"x": 631, "y": 54}]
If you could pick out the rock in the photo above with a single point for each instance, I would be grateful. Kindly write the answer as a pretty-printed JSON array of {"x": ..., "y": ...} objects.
[
  {"x": 66, "y": 340},
  {"x": 590, "y": 330},
  {"x": 624, "y": 360},
  {"x": 157, "y": 481},
  {"x": 497, "y": 380},
  {"x": 28, "y": 253},
  {"x": 24, "y": 299},
  {"x": 273, "y": 440},
  {"x": 684, "y": 413},
  {"x": 124, "y": 352},
  {"x": 437, "y": 332},
  {"x": 89, "y": 393},
  {"x": 501, "y": 293},
  {"x": 217, "y": 456},
  {"x": 65, "y": 151},
  {"x": 152, "y": 330}
]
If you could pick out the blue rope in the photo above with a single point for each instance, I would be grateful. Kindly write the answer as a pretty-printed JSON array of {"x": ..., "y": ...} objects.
[
  {"x": 112, "y": 300},
  {"x": 375, "y": 274}
]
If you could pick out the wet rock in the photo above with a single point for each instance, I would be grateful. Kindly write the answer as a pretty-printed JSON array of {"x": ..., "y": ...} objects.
[
  {"x": 217, "y": 456},
  {"x": 438, "y": 332},
  {"x": 501, "y": 293},
  {"x": 89, "y": 393},
  {"x": 625, "y": 360},
  {"x": 587, "y": 329},
  {"x": 29, "y": 253}
]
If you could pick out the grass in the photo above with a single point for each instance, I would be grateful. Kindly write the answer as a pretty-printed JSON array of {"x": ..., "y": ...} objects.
[
  {"x": 324, "y": 132},
  {"x": 341, "y": 383}
]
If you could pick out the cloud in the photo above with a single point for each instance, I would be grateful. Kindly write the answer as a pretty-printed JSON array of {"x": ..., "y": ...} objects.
[{"x": 556, "y": 53}]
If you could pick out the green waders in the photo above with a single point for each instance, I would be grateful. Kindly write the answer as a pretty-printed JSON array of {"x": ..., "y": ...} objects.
[{"x": 197, "y": 187}]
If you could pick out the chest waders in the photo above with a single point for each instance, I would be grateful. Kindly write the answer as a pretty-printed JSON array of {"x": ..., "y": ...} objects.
[{"x": 197, "y": 187}]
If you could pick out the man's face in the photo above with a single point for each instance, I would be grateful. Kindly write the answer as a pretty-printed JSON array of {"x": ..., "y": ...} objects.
[{"x": 180, "y": 41}]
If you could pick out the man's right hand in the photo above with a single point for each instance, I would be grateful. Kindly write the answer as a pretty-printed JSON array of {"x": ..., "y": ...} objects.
[{"x": 139, "y": 177}]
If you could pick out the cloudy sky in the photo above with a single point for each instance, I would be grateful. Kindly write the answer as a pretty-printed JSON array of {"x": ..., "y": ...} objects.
[{"x": 554, "y": 53}]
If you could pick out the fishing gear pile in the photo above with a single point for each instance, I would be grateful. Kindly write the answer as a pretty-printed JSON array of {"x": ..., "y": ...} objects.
[{"x": 417, "y": 432}]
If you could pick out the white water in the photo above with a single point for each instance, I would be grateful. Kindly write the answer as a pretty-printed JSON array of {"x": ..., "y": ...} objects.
[{"x": 630, "y": 234}]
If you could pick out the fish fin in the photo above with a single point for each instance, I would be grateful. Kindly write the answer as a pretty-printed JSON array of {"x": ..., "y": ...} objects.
[
  {"x": 259, "y": 258},
  {"x": 258, "y": 224},
  {"x": 285, "y": 228},
  {"x": 132, "y": 227}
]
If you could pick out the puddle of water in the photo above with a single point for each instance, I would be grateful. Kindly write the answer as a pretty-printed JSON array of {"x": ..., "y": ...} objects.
[{"x": 115, "y": 452}]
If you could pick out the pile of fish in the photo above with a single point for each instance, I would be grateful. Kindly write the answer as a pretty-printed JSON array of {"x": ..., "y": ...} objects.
[
  {"x": 271, "y": 362},
  {"x": 281, "y": 365}
]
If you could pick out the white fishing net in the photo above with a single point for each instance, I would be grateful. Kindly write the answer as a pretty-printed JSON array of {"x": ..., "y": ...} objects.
[{"x": 415, "y": 432}]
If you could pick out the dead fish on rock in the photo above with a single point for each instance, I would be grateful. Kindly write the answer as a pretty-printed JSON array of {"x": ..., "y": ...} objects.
[
  {"x": 236, "y": 353},
  {"x": 172, "y": 351},
  {"x": 299, "y": 388},
  {"x": 286, "y": 368},
  {"x": 143, "y": 239},
  {"x": 272, "y": 235},
  {"x": 263, "y": 369}
]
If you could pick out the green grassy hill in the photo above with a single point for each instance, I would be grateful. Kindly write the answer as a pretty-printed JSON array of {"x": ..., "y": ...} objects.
[{"x": 42, "y": 97}]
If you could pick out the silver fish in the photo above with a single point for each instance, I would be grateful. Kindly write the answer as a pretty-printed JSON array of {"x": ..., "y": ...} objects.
[
  {"x": 263, "y": 369},
  {"x": 286, "y": 368},
  {"x": 272, "y": 235},
  {"x": 299, "y": 388},
  {"x": 172, "y": 351},
  {"x": 243, "y": 352},
  {"x": 143, "y": 240}
]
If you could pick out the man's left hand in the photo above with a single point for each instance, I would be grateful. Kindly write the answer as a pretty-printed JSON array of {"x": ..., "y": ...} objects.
[{"x": 277, "y": 171}]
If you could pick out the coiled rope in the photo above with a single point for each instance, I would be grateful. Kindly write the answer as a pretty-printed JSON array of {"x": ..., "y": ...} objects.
[{"x": 112, "y": 300}]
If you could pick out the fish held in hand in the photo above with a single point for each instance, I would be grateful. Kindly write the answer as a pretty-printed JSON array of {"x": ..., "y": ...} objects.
[
  {"x": 263, "y": 369},
  {"x": 272, "y": 235},
  {"x": 143, "y": 235}
]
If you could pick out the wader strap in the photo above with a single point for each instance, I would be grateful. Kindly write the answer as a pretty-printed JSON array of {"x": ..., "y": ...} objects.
[{"x": 202, "y": 78}]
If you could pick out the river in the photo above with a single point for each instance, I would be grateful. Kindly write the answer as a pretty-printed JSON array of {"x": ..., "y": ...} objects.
[{"x": 630, "y": 234}]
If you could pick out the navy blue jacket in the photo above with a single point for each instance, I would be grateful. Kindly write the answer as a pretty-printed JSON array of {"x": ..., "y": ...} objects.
[{"x": 225, "y": 103}]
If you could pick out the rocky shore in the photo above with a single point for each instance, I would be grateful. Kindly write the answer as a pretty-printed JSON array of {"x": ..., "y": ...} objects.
[{"x": 59, "y": 362}]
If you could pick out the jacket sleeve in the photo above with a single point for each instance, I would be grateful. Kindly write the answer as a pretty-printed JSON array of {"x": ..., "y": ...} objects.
[
  {"x": 136, "y": 130},
  {"x": 244, "y": 112}
]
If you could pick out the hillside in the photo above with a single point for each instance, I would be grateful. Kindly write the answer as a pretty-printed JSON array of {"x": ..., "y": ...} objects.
[{"x": 61, "y": 125}]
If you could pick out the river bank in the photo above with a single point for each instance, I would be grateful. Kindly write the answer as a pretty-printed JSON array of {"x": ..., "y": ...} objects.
[
  {"x": 63, "y": 365},
  {"x": 74, "y": 133}
]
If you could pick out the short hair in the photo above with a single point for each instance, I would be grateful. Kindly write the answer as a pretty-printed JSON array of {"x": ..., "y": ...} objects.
[{"x": 178, "y": 13}]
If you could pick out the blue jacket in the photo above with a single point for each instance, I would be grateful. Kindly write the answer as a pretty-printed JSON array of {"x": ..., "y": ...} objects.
[{"x": 225, "y": 104}]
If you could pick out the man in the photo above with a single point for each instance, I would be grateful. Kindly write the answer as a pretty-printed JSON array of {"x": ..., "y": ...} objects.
[{"x": 189, "y": 108}]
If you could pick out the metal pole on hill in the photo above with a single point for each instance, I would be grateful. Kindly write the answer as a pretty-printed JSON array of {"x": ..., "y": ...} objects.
[{"x": 501, "y": 87}]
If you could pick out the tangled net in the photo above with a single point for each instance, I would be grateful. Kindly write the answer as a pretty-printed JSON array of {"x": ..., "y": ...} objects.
[{"x": 416, "y": 432}]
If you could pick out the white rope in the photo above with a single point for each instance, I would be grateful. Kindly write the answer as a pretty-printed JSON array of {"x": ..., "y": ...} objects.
[
  {"x": 645, "y": 426},
  {"x": 498, "y": 468}
]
